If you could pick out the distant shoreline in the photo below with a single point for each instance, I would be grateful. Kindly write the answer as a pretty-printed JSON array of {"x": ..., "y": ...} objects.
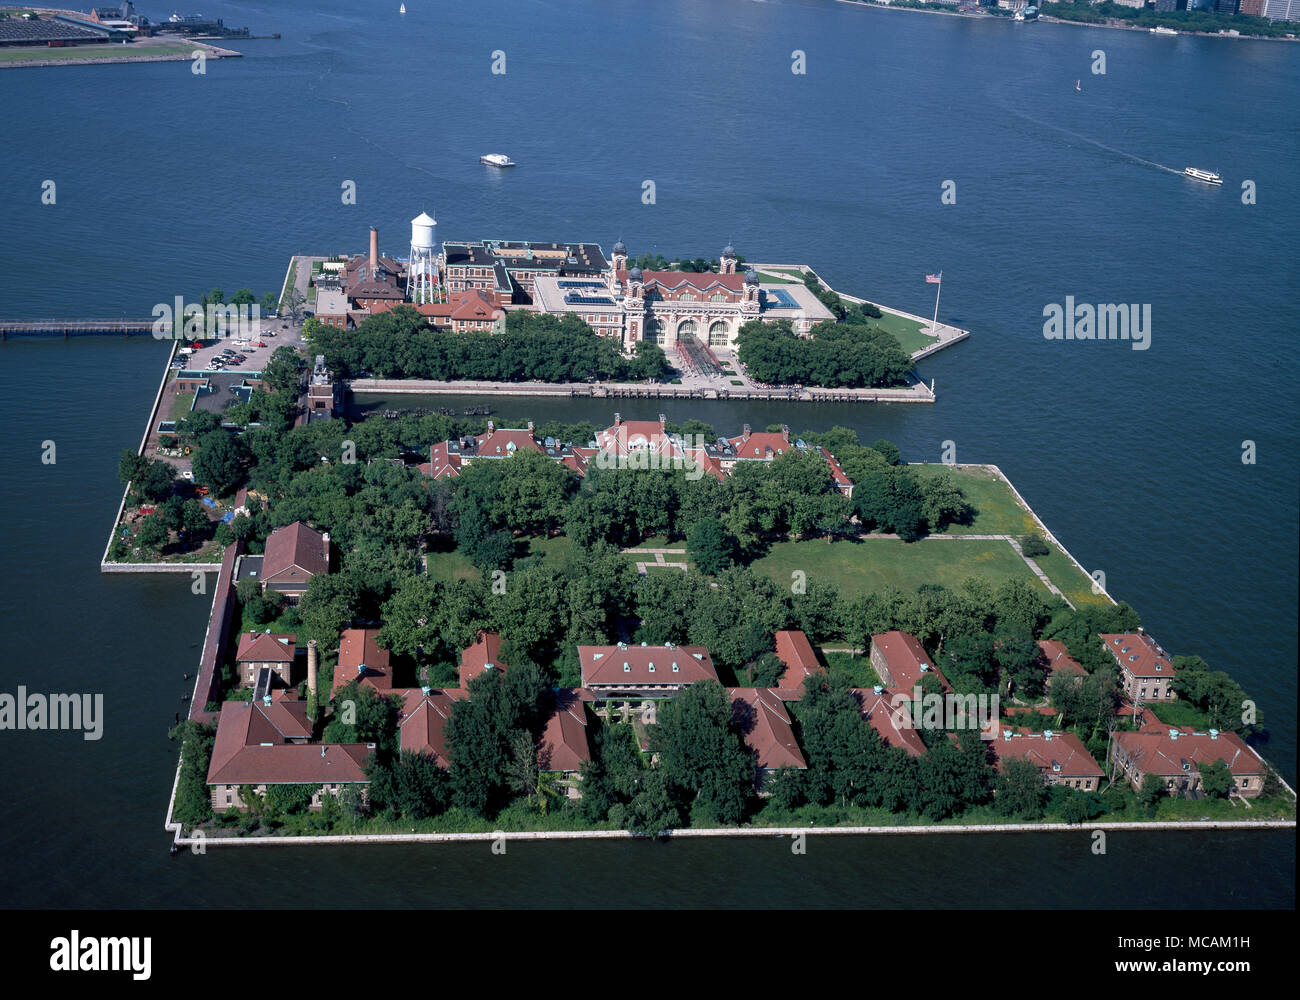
[{"x": 1047, "y": 18}]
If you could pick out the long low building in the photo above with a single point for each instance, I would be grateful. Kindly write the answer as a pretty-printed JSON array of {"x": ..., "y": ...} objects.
[
  {"x": 1175, "y": 754},
  {"x": 626, "y": 672},
  {"x": 1061, "y": 758}
]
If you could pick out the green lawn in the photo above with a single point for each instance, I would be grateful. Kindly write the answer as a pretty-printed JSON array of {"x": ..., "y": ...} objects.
[
  {"x": 181, "y": 404},
  {"x": 999, "y": 511},
  {"x": 911, "y": 335},
  {"x": 780, "y": 276},
  {"x": 869, "y": 566},
  {"x": 84, "y": 52},
  {"x": 448, "y": 566}
]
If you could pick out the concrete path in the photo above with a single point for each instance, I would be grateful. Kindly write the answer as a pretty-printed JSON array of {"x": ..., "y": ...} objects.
[{"x": 641, "y": 567}]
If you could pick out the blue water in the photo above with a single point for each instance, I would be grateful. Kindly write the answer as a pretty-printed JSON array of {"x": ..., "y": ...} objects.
[{"x": 169, "y": 183}]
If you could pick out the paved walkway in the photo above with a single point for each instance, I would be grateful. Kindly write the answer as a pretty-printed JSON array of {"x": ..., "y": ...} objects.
[{"x": 642, "y": 567}]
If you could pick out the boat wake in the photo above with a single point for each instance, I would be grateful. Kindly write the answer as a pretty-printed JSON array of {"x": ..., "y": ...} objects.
[{"x": 1088, "y": 141}]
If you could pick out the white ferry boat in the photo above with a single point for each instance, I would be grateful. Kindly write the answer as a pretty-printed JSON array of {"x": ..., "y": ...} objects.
[
  {"x": 1163, "y": 31},
  {"x": 1209, "y": 176},
  {"x": 496, "y": 160}
]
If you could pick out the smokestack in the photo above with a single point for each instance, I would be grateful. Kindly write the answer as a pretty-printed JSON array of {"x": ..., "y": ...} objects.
[
  {"x": 663, "y": 421},
  {"x": 374, "y": 252},
  {"x": 745, "y": 433},
  {"x": 785, "y": 432},
  {"x": 312, "y": 672}
]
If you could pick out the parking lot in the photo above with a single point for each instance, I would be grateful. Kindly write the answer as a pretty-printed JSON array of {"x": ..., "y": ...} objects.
[{"x": 226, "y": 352}]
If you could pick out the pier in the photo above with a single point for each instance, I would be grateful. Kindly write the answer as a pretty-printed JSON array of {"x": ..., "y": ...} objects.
[
  {"x": 78, "y": 327},
  {"x": 918, "y": 392}
]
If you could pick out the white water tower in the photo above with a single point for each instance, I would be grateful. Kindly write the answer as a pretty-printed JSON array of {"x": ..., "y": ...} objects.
[{"x": 422, "y": 272}]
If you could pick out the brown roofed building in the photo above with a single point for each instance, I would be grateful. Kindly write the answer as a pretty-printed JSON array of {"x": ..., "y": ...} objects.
[
  {"x": 361, "y": 659},
  {"x": 564, "y": 745},
  {"x": 764, "y": 723},
  {"x": 1059, "y": 661},
  {"x": 294, "y": 554},
  {"x": 1174, "y": 754},
  {"x": 484, "y": 655},
  {"x": 623, "y": 671},
  {"x": 422, "y": 721},
  {"x": 901, "y": 662},
  {"x": 1061, "y": 758},
  {"x": 800, "y": 659},
  {"x": 1145, "y": 670},
  {"x": 272, "y": 650},
  {"x": 891, "y": 719},
  {"x": 267, "y": 744}
]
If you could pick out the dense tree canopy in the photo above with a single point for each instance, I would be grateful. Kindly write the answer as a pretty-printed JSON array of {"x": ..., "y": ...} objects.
[{"x": 851, "y": 355}]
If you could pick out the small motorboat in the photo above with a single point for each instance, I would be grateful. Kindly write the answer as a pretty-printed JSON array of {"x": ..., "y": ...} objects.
[{"x": 496, "y": 160}]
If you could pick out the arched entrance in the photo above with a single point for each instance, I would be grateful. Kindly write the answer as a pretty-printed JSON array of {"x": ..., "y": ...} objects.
[
  {"x": 687, "y": 328},
  {"x": 719, "y": 333},
  {"x": 654, "y": 332}
]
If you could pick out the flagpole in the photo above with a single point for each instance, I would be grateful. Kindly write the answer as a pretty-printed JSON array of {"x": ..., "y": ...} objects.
[{"x": 935, "y": 321}]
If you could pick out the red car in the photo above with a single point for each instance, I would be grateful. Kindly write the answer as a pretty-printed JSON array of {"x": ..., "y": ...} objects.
[{"x": 258, "y": 343}]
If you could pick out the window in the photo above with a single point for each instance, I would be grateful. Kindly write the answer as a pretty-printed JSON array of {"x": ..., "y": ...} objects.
[
  {"x": 652, "y": 668},
  {"x": 627, "y": 667},
  {"x": 676, "y": 668}
]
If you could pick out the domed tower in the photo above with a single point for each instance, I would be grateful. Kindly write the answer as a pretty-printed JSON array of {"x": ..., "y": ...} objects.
[
  {"x": 634, "y": 308},
  {"x": 749, "y": 304},
  {"x": 729, "y": 259},
  {"x": 618, "y": 257},
  {"x": 422, "y": 271}
]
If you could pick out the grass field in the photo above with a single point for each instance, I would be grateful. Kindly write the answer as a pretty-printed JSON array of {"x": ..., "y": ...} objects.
[
  {"x": 780, "y": 276},
  {"x": 448, "y": 566},
  {"x": 856, "y": 568},
  {"x": 181, "y": 404},
  {"x": 910, "y": 334},
  {"x": 81, "y": 53}
]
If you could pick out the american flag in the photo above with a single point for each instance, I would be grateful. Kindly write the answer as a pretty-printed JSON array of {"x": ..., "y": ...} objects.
[{"x": 934, "y": 279}]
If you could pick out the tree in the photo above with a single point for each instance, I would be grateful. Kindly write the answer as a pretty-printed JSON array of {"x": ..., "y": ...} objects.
[
  {"x": 786, "y": 787},
  {"x": 153, "y": 533},
  {"x": 1034, "y": 545},
  {"x": 283, "y": 372},
  {"x": 1216, "y": 778},
  {"x": 701, "y": 752},
  {"x": 1152, "y": 791},
  {"x": 1020, "y": 790},
  {"x": 221, "y": 462},
  {"x": 712, "y": 547}
]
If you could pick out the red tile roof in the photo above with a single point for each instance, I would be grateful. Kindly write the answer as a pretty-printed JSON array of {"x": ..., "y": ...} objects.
[
  {"x": 1139, "y": 654},
  {"x": 564, "y": 746},
  {"x": 251, "y": 748},
  {"x": 796, "y": 652},
  {"x": 765, "y": 725},
  {"x": 1059, "y": 660},
  {"x": 473, "y": 304},
  {"x": 1163, "y": 750},
  {"x": 623, "y": 664},
  {"x": 760, "y": 444},
  {"x": 891, "y": 722},
  {"x": 295, "y": 553},
  {"x": 498, "y": 442},
  {"x": 477, "y": 658},
  {"x": 1060, "y": 754},
  {"x": 676, "y": 279},
  {"x": 422, "y": 721},
  {"x": 907, "y": 661},
  {"x": 266, "y": 647},
  {"x": 359, "y": 647}
]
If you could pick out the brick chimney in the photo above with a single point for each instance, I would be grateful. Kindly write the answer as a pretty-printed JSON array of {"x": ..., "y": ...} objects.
[
  {"x": 618, "y": 419},
  {"x": 312, "y": 673},
  {"x": 663, "y": 423},
  {"x": 374, "y": 252},
  {"x": 785, "y": 433},
  {"x": 745, "y": 432}
]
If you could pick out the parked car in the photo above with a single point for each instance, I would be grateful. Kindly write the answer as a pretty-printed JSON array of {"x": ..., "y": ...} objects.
[{"x": 261, "y": 343}]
